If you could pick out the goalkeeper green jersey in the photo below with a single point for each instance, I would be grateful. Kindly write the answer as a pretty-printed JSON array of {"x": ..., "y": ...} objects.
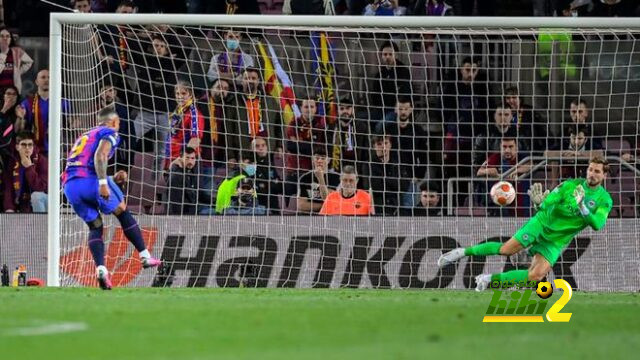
[{"x": 560, "y": 214}]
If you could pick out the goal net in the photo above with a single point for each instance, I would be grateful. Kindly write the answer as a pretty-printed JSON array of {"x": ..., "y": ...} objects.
[{"x": 235, "y": 131}]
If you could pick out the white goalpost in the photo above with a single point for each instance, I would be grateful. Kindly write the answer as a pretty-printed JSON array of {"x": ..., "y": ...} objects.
[{"x": 264, "y": 100}]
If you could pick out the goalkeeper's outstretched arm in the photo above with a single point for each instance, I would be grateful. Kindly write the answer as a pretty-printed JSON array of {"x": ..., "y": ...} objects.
[{"x": 540, "y": 197}]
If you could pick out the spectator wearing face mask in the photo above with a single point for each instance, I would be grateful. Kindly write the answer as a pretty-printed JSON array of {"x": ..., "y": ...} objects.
[
  {"x": 231, "y": 63},
  {"x": 245, "y": 201},
  {"x": 233, "y": 192}
]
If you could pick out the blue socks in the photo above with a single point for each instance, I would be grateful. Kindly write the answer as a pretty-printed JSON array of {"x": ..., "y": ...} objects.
[
  {"x": 131, "y": 230},
  {"x": 96, "y": 245}
]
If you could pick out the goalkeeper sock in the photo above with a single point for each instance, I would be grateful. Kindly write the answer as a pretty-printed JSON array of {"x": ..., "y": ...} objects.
[
  {"x": 96, "y": 246},
  {"x": 488, "y": 248},
  {"x": 511, "y": 276},
  {"x": 131, "y": 230}
]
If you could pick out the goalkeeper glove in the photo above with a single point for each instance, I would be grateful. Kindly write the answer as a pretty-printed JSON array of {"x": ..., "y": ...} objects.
[
  {"x": 536, "y": 194},
  {"x": 578, "y": 194}
]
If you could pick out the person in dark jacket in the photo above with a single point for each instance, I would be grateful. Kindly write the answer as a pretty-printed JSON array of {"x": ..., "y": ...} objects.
[
  {"x": 429, "y": 203},
  {"x": 185, "y": 195},
  {"x": 382, "y": 176},
  {"x": 532, "y": 127},
  {"x": 393, "y": 80}
]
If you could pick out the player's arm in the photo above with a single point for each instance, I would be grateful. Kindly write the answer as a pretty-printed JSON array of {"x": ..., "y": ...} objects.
[
  {"x": 598, "y": 218},
  {"x": 555, "y": 196},
  {"x": 101, "y": 160}
]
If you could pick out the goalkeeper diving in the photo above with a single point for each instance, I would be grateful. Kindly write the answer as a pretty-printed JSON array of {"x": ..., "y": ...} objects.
[{"x": 561, "y": 215}]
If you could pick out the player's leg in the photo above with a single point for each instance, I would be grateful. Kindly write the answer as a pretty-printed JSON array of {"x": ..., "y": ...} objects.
[
  {"x": 133, "y": 233},
  {"x": 539, "y": 268},
  {"x": 115, "y": 205},
  {"x": 522, "y": 239},
  {"x": 80, "y": 197}
]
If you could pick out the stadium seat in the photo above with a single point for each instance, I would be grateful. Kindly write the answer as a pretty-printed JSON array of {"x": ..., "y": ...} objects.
[{"x": 142, "y": 185}]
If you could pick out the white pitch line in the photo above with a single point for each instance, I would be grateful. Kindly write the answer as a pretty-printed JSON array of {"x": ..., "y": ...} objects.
[{"x": 50, "y": 329}]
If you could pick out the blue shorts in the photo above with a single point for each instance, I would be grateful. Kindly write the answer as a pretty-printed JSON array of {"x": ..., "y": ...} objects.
[{"x": 84, "y": 197}]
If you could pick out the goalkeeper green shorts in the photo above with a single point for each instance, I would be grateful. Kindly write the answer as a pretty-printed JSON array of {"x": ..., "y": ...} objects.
[{"x": 533, "y": 236}]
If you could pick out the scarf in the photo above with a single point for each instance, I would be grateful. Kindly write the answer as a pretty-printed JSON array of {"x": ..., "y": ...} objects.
[
  {"x": 225, "y": 65},
  {"x": 18, "y": 180},
  {"x": 337, "y": 145},
  {"x": 35, "y": 109},
  {"x": 174, "y": 119},
  {"x": 122, "y": 46},
  {"x": 254, "y": 114},
  {"x": 177, "y": 115},
  {"x": 213, "y": 120}
]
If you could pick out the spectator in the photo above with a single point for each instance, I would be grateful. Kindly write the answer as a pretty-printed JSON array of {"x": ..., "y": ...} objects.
[
  {"x": 231, "y": 63},
  {"x": 228, "y": 7},
  {"x": 348, "y": 199},
  {"x": 305, "y": 133},
  {"x": 464, "y": 107},
  {"x": 36, "y": 115},
  {"x": 393, "y": 80},
  {"x": 315, "y": 185},
  {"x": 577, "y": 145},
  {"x": 177, "y": 42},
  {"x": 8, "y": 114},
  {"x": 429, "y": 203},
  {"x": 579, "y": 114},
  {"x": 11, "y": 108},
  {"x": 498, "y": 164},
  {"x": 412, "y": 143},
  {"x": 244, "y": 202},
  {"x": 383, "y": 177},
  {"x": 268, "y": 183},
  {"x": 25, "y": 178},
  {"x": 118, "y": 45},
  {"x": 184, "y": 192},
  {"x": 348, "y": 136},
  {"x": 14, "y": 61},
  {"x": 228, "y": 189},
  {"x": 156, "y": 74},
  {"x": 187, "y": 123},
  {"x": 128, "y": 139},
  {"x": 219, "y": 107},
  {"x": 502, "y": 126},
  {"x": 82, "y": 6},
  {"x": 256, "y": 117},
  {"x": 532, "y": 128},
  {"x": 384, "y": 8}
]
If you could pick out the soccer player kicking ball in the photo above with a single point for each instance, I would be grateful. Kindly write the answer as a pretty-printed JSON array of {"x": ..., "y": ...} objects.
[
  {"x": 91, "y": 192},
  {"x": 562, "y": 214}
]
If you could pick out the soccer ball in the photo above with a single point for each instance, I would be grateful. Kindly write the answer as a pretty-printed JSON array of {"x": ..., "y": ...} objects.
[
  {"x": 503, "y": 193},
  {"x": 544, "y": 289}
]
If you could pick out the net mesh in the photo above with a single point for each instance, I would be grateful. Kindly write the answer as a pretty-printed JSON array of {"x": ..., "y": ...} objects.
[{"x": 424, "y": 115}]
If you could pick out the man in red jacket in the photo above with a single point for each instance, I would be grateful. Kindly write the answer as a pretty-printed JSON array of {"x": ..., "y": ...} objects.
[{"x": 25, "y": 178}]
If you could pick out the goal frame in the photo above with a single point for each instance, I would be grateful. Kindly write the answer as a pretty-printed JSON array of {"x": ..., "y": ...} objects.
[{"x": 409, "y": 22}]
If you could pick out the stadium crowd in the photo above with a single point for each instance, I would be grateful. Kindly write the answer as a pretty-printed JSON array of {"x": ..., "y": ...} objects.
[{"x": 227, "y": 149}]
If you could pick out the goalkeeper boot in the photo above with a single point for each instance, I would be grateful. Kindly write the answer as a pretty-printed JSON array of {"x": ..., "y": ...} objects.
[
  {"x": 104, "y": 279},
  {"x": 149, "y": 262},
  {"x": 450, "y": 257},
  {"x": 482, "y": 282}
]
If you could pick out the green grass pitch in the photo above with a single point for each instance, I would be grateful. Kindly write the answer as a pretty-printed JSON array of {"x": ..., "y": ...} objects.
[{"x": 182, "y": 324}]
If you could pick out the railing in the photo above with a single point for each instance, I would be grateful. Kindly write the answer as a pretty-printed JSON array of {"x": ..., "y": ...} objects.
[{"x": 542, "y": 162}]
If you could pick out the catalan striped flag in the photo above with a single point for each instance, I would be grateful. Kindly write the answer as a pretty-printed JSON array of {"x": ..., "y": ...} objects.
[
  {"x": 278, "y": 84},
  {"x": 322, "y": 65}
]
